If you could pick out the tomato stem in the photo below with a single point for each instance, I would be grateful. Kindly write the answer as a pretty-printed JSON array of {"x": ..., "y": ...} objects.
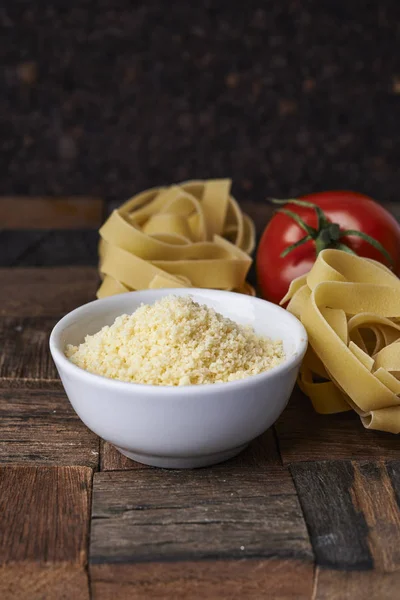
[
  {"x": 327, "y": 234},
  {"x": 307, "y": 238},
  {"x": 370, "y": 240},
  {"x": 310, "y": 230},
  {"x": 322, "y": 220}
]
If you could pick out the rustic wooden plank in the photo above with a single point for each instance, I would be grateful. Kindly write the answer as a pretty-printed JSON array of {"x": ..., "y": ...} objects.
[
  {"x": 37, "y": 581},
  {"x": 33, "y": 500},
  {"x": 31, "y": 384},
  {"x": 211, "y": 580},
  {"x": 44, "y": 521},
  {"x": 210, "y": 533},
  {"x": 39, "y": 425},
  {"x": 393, "y": 469},
  {"x": 374, "y": 495},
  {"x": 25, "y": 348},
  {"x": 351, "y": 585},
  {"x": 16, "y": 244},
  {"x": 338, "y": 530},
  {"x": 305, "y": 435},
  {"x": 262, "y": 452},
  {"x": 47, "y": 275},
  {"x": 20, "y": 212},
  {"x": 153, "y": 515},
  {"x": 64, "y": 248},
  {"x": 48, "y": 248},
  {"x": 112, "y": 460},
  {"x": 50, "y": 291},
  {"x": 352, "y": 514}
]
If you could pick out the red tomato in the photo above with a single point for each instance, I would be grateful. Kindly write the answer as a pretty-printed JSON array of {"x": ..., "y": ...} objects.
[{"x": 350, "y": 210}]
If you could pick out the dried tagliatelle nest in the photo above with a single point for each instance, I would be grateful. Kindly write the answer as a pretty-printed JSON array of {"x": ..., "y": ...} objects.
[
  {"x": 350, "y": 307},
  {"x": 188, "y": 235}
]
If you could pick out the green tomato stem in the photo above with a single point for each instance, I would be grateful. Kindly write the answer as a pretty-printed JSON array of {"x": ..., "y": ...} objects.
[
  {"x": 322, "y": 220},
  {"x": 310, "y": 230},
  {"x": 327, "y": 234},
  {"x": 303, "y": 240},
  {"x": 370, "y": 240}
]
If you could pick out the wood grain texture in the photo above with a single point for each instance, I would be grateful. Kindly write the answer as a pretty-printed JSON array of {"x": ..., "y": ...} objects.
[
  {"x": 32, "y": 292},
  {"x": 20, "y": 212},
  {"x": 43, "y": 581},
  {"x": 352, "y": 514},
  {"x": 393, "y": 470},
  {"x": 44, "y": 523},
  {"x": 375, "y": 497},
  {"x": 338, "y": 529},
  {"x": 31, "y": 384},
  {"x": 151, "y": 515},
  {"x": 25, "y": 348},
  {"x": 208, "y": 580},
  {"x": 262, "y": 452},
  {"x": 16, "y": 244},
  {"x": 112, "y": 460},
  {"x": 354, "y": 585},
  {"x": 304, "y": 435},
  {"x": 65, "y": 248},
  {"x": 39, "y": 426},
  {"x": 48, "y": 248}
]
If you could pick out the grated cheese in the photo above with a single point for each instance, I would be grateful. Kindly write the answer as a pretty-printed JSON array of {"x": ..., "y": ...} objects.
[{"x": 176, "y": 341}]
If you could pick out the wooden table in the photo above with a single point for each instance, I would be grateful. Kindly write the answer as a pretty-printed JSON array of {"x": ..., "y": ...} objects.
[{"x": 310, "y": 510}]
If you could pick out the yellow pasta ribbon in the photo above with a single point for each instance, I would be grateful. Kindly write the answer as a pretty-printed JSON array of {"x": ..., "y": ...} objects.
[
  {"x": 188, "y": 235},
  {"x": 350, "y": 307}
]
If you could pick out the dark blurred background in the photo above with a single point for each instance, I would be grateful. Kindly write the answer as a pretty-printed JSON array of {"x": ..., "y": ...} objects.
[{"x": 110, "y": 97}]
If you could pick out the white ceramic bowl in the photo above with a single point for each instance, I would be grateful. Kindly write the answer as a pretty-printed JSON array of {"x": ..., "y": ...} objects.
[{"x": 188, "y": 426}]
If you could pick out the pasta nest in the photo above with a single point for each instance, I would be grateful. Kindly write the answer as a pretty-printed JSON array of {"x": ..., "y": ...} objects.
[
  {"x": 189, "y": 235},
  {"x": 350, "y": 307}
]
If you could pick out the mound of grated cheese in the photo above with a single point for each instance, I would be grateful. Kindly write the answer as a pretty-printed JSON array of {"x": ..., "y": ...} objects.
[{"x": 176, "y": 342}]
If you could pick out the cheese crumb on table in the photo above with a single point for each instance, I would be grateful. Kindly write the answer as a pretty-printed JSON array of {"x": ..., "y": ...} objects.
[{"x": 176, "y": 341}]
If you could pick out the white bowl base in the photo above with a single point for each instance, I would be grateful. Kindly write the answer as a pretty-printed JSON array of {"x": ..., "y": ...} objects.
[{"x": 176, "y": 462}]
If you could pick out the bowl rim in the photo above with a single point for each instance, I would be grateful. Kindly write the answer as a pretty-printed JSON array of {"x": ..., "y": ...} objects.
[{"x": 299, "y": 335}]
